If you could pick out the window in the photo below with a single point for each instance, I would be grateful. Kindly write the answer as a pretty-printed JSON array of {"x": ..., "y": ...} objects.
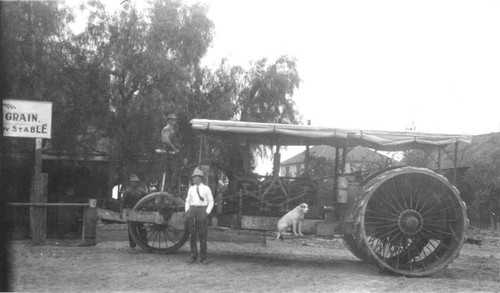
[{"x": 116, "y": 191}]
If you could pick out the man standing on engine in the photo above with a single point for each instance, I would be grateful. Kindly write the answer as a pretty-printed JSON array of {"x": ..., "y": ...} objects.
[
  {"x": 172, "y": 163},
  {"x": 168, "y": 135}
]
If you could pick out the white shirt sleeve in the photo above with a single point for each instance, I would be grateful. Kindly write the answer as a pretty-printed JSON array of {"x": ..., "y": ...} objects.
[
  {"x": 187, "y": 205},
  {"x": 210, "y": 199}
]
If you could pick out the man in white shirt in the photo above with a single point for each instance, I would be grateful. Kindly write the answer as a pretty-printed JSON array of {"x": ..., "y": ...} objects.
[{"x": 199, "y": 204}]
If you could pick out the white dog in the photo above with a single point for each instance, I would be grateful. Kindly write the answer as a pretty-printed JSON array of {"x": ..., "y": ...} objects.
[{"x": 293, "y": 219}]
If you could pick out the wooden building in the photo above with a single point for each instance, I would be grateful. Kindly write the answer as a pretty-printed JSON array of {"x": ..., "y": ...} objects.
[{"x": 72, "y": 178}]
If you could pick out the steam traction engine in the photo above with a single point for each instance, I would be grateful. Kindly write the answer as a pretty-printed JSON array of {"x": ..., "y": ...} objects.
[{"x": 410, "y": 221}]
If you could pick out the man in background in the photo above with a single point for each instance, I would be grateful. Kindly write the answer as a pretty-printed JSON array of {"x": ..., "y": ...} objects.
[{"x": 130, "y": 197}]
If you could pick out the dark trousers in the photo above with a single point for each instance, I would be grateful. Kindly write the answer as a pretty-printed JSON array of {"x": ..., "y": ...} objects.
[
  {"x": 197, "y": 222},
  {"x": 142, "y": 234},
  {"x": 131, "y": 242}
]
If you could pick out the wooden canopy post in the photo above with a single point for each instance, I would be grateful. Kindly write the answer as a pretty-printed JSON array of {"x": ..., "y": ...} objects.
[
  {"x": 200, "y": 153},
  {"x": 246, "y": 158},
  {"x": 439, "y": 159},
  {"x": 345, "y": 150},
  {"x": 307, "y": 157},
  {"x": 306, "y": 161},
  {"x": 276, "y": 162},
  {"x": 455, "y": 165},
  {"x": 336, "y": 215},
  {"x": 336, "y": 172}
]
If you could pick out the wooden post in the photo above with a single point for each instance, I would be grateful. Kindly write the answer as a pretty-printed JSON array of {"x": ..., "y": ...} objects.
[
  {"x": 246, "y": 158},
  {"x": 345, "y": 150},
  {"x": 439, "y": 160},
  {"x": 206, "y": 174},
  {"x": 336, "y": 173},
  {"x": 307, "y": 158},
  {"x": 200, "y": 154},
  {"x": 240, "y": 207},
  {"x": 455, "y": 165},
  {"x": 344, "y": 160},
  {"x": 277, "y": 162},
  {"x": 89, "y": 229},
  {"x": 38, "y": 214}
]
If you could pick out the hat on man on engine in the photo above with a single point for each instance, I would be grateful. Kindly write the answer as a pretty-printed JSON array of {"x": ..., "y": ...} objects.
[
  {"x": 172, "y": 116},
  {"x": 134, "y": 177},
  {"x": 197, "y": 172}
]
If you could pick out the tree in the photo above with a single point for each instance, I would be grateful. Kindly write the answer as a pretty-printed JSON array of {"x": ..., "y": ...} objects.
[
  {"x": 151, "y": 58},
  {"x": 267, "y": 92},
  {"x": 115, "y": 83},
  {"x": 261, "y": 94},
  {"x": 33, "y": 34},
  {"x": 34, "y": 37},
  {"x": 483, "y": 182},
  {"x": 416, "y": 158}
]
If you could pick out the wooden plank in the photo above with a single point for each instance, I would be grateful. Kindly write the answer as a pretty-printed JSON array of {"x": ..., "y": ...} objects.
[
  {"x": 48, "y": 204},
  {"x": 270, "y": 223},
  {"x": 327, "y": 229},
  {"x": 141, "y": 216},
  {"x": 109, "y": 215},
  {"x": 177, "y": 220},
  {"x": 259, "y": 223},
  {"x": 229, "y": 221},
  {"x": 237, "y": 236}
]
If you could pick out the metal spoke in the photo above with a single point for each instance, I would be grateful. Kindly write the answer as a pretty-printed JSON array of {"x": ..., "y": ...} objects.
[
  {"x": 382, "y": 187},
  {"x": 435, "y": 211},
  {"x": 168, "y": 236},
  {"x": 165, "y": 236},
  {"x": 387, "y": 203},
  {"x": 394, "y": 211}
]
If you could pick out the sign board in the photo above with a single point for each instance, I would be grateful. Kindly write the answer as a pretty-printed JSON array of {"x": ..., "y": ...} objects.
[{"x": 27, "y": 118}]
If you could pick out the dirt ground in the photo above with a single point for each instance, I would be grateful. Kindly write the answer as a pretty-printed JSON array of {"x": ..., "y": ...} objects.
[{"x": 294, "y": 265}]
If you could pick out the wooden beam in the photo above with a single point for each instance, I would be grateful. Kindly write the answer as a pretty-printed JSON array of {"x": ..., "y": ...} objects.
[
  {"x": 49, "y": 204},
  {"x": 38, "y": 214},
  {"x": 307, "y": 156}
]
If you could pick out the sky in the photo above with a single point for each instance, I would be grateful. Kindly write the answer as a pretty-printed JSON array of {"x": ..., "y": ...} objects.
[
  {"x": 378, "y": 65},
  {"x": 375, "y": 64}
]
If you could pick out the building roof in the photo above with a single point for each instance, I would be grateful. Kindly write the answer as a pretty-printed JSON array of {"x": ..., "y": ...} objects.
[
  {"x": 356, "y": 154},
  {"x": 483, "y": 144}
]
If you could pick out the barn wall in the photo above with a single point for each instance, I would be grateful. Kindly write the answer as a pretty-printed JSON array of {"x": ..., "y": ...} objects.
[{"x": 69, "y": 181}]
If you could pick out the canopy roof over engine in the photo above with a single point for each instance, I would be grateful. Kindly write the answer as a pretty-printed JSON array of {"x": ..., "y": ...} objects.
[{"x": 288, "y": 134}]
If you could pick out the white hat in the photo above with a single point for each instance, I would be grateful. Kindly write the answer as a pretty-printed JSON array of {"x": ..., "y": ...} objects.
[{"x": 197, "y": 172}]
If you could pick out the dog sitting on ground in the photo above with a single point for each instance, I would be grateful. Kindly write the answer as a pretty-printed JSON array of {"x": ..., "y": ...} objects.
[{"x": 294, "y": 219}]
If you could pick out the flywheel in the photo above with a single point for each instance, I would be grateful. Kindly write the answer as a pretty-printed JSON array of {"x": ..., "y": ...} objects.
[{"x": 410, "y": 221}]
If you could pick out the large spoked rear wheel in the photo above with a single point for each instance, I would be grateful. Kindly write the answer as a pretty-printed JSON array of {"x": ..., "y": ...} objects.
[
  {"x": 350, "y": 243},
  {"x": 410, "y": 221},
  {"x": 160, "y": 238}
]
